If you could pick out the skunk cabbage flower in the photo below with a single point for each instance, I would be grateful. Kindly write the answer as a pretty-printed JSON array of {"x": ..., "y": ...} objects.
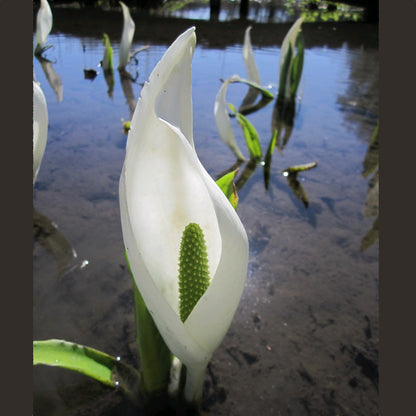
[
  {"x": 43, "y": 25},
  {"x": 126, "y": 38},
  {"x": 222, "y": 119},
  {"x": 164, "y": 189},
  {"x": 40, "y": 127}
]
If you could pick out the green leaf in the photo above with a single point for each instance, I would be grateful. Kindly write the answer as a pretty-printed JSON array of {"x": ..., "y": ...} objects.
[
  {"x": 297, "y": 65},
  {"x": 98, "y": 365},
  {"x": 300, "y": 168},
  {"x": 284, "y": 73},
  {"x": 250, "y": 134},
  {"x": 108, "y": 54},
  {"x": 288, "y": 78},
  {"x": 266, "y": 93},
  {"x": 268, "y": 159},
  {"x": 226, "y": 184},
  {"x": 85, "y": 360}
]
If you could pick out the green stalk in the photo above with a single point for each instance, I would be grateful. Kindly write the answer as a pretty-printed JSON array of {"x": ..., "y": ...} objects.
[{"x": 155, "y": 356}]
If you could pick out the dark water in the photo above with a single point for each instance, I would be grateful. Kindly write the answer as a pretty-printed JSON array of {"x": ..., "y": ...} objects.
[{"x": 304, "y": 340}]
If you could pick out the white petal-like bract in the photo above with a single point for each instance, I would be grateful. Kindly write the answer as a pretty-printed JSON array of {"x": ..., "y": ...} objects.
[
  {"x": 40, "y": 127},
  {"x": 43, "y": 24},
  {"x": 126, "y": 38},
  {"x": 163, "y": 188}
]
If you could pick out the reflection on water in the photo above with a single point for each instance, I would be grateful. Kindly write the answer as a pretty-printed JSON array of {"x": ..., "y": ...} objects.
[
  {"x": 305, "y": 336},
  {"x": 47, "y": 234},
  {"x": 263, "y": 11},
  {"x": 52, "y": 76}
]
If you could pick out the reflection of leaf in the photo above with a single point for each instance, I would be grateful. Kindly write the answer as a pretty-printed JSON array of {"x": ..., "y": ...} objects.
[
  {"x": 370, "y": 237},
  {"x": 371, "y": 207},
  {"x": 371, "y": 158},
  {"x": 297, "y": 188},
  {"x": 109, "y": 79},
  {"x": 372, "y": 201},
  {"x": 268, "y": 159},
  {"x": 283, "y": 120},
  {"x": 249, "y": 104},
  {"x": 226, "y": 184},
  {"x": 53, "y": 241},
  {"x": 127, "y": 86},
  {"x": 52, "y": 77},
  {"x": 245, "y": 175}
]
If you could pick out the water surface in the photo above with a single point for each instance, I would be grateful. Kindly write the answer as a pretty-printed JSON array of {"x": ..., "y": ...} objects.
[{"x": 304, "y": 340}]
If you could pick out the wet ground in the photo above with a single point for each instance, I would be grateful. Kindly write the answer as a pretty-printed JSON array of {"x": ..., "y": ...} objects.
[{"x": 304, "y": 340}]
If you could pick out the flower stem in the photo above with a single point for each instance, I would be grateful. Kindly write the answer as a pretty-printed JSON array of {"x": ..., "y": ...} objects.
[{"x": 155, "y": 356}]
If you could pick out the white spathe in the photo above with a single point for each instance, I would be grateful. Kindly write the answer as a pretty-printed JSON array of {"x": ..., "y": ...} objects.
[
  {"x": 222, "y": 119},
  {"x": 43, "y": 24},
  {"x": 248, "y": 58},
  {"x": 163, "y": 188},
  {"x": 126, "y": 38},
  {"x": 40, "y": 127}
]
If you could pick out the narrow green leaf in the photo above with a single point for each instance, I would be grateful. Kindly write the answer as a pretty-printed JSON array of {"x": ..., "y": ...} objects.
[
  {"x": 108, "y": 54},
  {"x": 286, "y": 62},
  {"x": 268, "y": 159},
  {"x": 284, "y": 74},
  {"x": 297, "y": 65},
  {"x": 250, "y": 134},
  {"x": 85, "y": 360},
  {"x": 300, "y": 168},
  {"x": 264, "y": 91},
  {"x": 98, "y": 365},
  {"x": 226, "y": 184}
]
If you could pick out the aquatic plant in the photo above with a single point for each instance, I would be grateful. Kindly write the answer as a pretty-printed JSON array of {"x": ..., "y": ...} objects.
[
  {"x": 222, "y": 120},
  {"x": 291, "y": 62},
  {"x": 165, "y": 191},
  {"x": 40, "y": 127},
  {"x": 185, "y": 246},
  {"x": 107, "y": 62},
  {"x": 43, "y": 26},
  {"x": 126, "y": 38}
]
